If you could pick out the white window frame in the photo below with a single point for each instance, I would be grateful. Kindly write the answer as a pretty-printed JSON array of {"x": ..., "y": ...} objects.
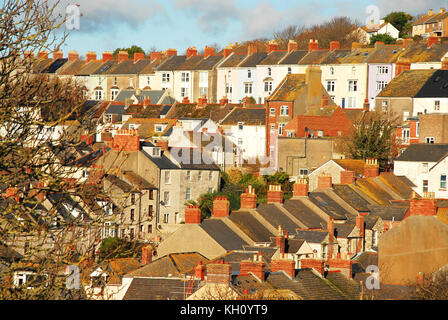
[
  {"x": 185, "y": 77},
  {"x": 352, "y": 85},
  {"x": 331, "y": 85},
  {"x": 284, "y": 110},
  {"x": 267, "y": 86}
]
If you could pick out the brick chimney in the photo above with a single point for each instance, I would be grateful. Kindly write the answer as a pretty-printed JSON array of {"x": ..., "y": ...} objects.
[
  {"x": 202, "y": 101},
  {"x": 316, "y": 264},
  {"x": 192, "y": 215},
  {"x": 227, "y": 51},
  {"x": 300, "y": 188},
  {"x": 163, "y": 144},
  {"x": 199, "y": 271},
  {"x": 445, "y": 63},
  {"x": 280, "y": 240},
  {"x": 108, "y": 56},
  {"x": 58, "y": 55},
  {"x": 90, "y": 56},
  {"x": 286, "y": 265},
  {"x": 138, "y": 56},
  {"x": 275, "y": 194},
  {"x": 324, "y": 181},
  {"x": 402, "y": 65},
  {"x": 73, "y": 55},
  {"x": 122, "y": 56},
  {"x": 371, "y": 168},
  {"x": 249, "y": 199},
  {"x": 292, "y": 45},
  {"x": 191, "y": 52},
  {"x": 255, "y": 266},
  {"x": 431, "y": 40},
  {"x": 209, "y": 52},
  {"x": 42, "y": 55},
  {"x": 218, "y": 272},
  {"x": 251, "y": 49},
  {"x": 146, "y": 101},
  {"x": 334, "y": 45},
  {"x": 347, "y": 177},
  {"x": 155, "y": 55},
  {"x": 223, "y": 101},
  {"x": 426, "y": 206},
  {"x": 271, "y": 46},
  {"x": 146, "y": 254},
  {"x": 171, "y": 52},
  {"x": 313, "y": 45},
  {"x": 360, "y": 225},
  {"x": 221, "y": 207},
  {"x": 126, "y": 140}
]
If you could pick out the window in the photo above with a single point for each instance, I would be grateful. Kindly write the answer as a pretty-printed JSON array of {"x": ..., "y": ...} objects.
[
  {"x": 331, "y": 70},
  {"x": 289, "y": 70},
  {"x": 240, "y": 141},
  {"x": 132, "y": 214},
  {"x": 406, "y": 135},
  {"x": 166, "y": 218},
  {"x": 203, "y": 77},
  {"x": 272, "y": 112},
  {"x": 437, "y": 105},
  {"x": 166, "y": 198},
  {"x": 384, "y": 105},
  {"x": 289, "y": 133},
  {"x": 203, "y": 91},
  {"x": 148, "y": 81},
  {"x": 268, "y": 86},
  {"x": 248, "y": 88},
  {"x": 131, "y": 233},
  {"x": 165, "y": 77},
  {"x": 353, "y": 85},
  {"x": 429, "y": 139},
  {"x": 167, "y": 177},
  {"x": 351, "y": 102},
  {"x": 249, "y": 73},
  {"x": 185, "y": 77},
  {"x": 380, "y": 85},
  {"x": 188, "y": 194},
  {"x": 284, "y": 110},
  {"x": 240, "y": 125},
  {"x": 189, "y": 175},
  {"x": 425, "y": 185},
  {"x": 150, "y": 212},
  {"x": 228, "y": 88},
  {"x": 98, "y": 95},
  {"x": 272, "y": 127},
  {"x": 374, "y": 238},
  {"x": 443, "y": 181},
  {"x": 382, "y": 70},
  {"x": 303, "y": 172},
  {"x": 149, "y": 228},
  {"x": 132, "y": 198},
  {"x": 280, "y": 128},
  {"x": 210, "y": 175},
  {"x": 269, "y": 71},
  {"x": 330, "y": 85},
  {"x": 113, "y": 94},
  {"x": 115, "y": 81},
  {"x": 199, "y": 175},
  {"x": 158, "y": 128},
  {"x": 183, "y": 92}
]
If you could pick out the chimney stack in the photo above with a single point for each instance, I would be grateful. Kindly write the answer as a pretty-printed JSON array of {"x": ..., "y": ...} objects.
[
  {"x": 334, "y": 45},
  {"x": 224, "y": 101},
  {"x": 324, "y": 181},
  {"x": 401, "y": 65},
  {"x": 90, "y": 56},
  {"x": 138, "y": 56},
  {"x": 426, "y": 206},
  {"x": 191, "y": 52},
  {"x": 275, "y": 194},
  {"x": 185, "y": 100},
  {"x": 360, "y": 225},
  {"x": 122, "y": 56},
  {"x": 58, "y": 55},
  {"x": 280, "y": 240},
  {"x": 155, "y": 55},
  {"x": 445, "y": 63},
  {"x": 42, "y": 55},
  {"x": 286, "y": 265},
  {"x": 324, "y": 101},
  {"x": 108, "y": 56},
  {"x": 126, "y": 140},
  {"x": 199, "y": 271},
  {"x": 73, "y": 55},
  {"x": 254, "y": 266},
  {"x": 347, "y": 177},
  {"x": 249, "y": 199},
  {"x": 313, "y": 45},
  {"x": 331, "y": 240},
  {"x": 221, "y": 207},
  {"x": 300, "y": 188},
  {"x": 371, "y": 168},
  {"x": 292, "y": 45},
  {"x": 146, "y": 254},
  {"x": 192, "y": 215},
  {"x": 251, "y": 49},
  {"x": 202, "y": 101},
  {"x": 171, "y": 52},
  {"x": 272, "y": 46},
  {"x": 366, "y": 105},
  {"x": 227, "y": 51},
  {"x": 218, "y": 272},
  {"x": 209, "y": 52},
  {"x": 431, "y": 40}
]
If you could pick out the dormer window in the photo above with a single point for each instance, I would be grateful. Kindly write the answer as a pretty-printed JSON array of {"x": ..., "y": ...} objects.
[{"x": 156, "y": 152}]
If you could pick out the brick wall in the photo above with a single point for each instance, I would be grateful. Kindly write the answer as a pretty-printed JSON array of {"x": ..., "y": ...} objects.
[
  {"x": 289, "y": 266},
  {"x": 275, "y": 194},
  {"x": 249, "y": 199},
  {"x": 126, "y": 140},
  {"x": 218, "y": 273},
  {"x": 347, "y": 177},
  {"x": 371, "y": 169},
  {"x": 193, "y": 215},
  {"x": 324, "y": 181},
  {"x": 315, "y": 264},
  {"x": 255, "y": 266},
  {"x": 423, "y": 207},
  {"x": 146, "y": 254},
  {"x": 221, "y": 207},
  {"x": 300, "y": 188}
]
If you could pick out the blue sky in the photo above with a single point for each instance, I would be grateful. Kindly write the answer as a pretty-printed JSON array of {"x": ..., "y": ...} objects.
[{"x": 108, "y": 24}]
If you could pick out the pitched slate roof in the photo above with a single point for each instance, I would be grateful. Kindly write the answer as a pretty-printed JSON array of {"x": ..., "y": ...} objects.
[
  {"x": 40, "y": 65},
  {"x": 89, "y": 68},
  {"x": 273, "y": 58},
  {"x": 312, "y": 236},
  {"x": 407, "y": 84},
  {"x": 343, "y": 230},
  {"x": 234, "y": 257},
  {"x": 222, "y": 234},
  {"x": 436, "y": 86},
  {"x": 253, "y": 60},
  {"x": 293, "y": 57},
  {"x": 161, "y": 162},
  {"x": 208, "y": 63},
  {"x": 276, "y": 217},
  {"x": 335, "y": 57},
  {"x": 251, "y": 226},
  {"x": 54, "y": 66},
  {"x": 437, "y": 17},
  {"x": 158, "y": 289},
  {"x": 304, "y": 214},
  {"x": 191, "y": 63},
  {"x": 128, "y": 67},
  {"x": 105, "y": 67},
  {"x": 396, "y": 184},
  {"x": 389, "y": 212},
  {"x": 351, "y": 197},
  {"x": 328, "y": 205},
  {"x": 419, "y": 52},
  {"x": 248, "y": 115},
  {"x": 369, "y": 187},
  {"x": 425, "y": 152},
  {"x": 214, "y": 112},
  {"x": 385, "y": 54},
  {"x": 314, "y": 57},
  {"x": 358, "y": 55},
  {"x": 172, "y": 63},
  {"x": 151, "y": 111},
  {"x": 233, "y": 61},
  {"x": 117, "y": 182},
  {"x": 70, "y": 67},
  {"x": 290, "y": 87}
]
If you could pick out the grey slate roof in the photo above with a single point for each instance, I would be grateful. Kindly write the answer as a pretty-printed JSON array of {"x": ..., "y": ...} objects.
[
  {"x": 304, "y": 214},
  {"x": 154, "y": 95},
  {"x": 351, "y": 197},
  {"x": 389, "y": 212},
  {"x": 253, "y": 60},
  {"x": 161, "y": 162},
  {"x": 222, "y": 234},
  {"x": 208, "y": 63},
  {"x": 436, "y": 86},
  {"x": 312, "y": 236},
  {"x": 342, "y": 230},
  {"x": 429, "y": 152},
  {"x": 276, "y": 217},
  {"x": 158, "y": 289},
  {"x": 328, "y": 205},
  {"x": 294, "y": 57},
  {"x": 172, "y": 63},
  {"x": 251, "y": 226}
]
